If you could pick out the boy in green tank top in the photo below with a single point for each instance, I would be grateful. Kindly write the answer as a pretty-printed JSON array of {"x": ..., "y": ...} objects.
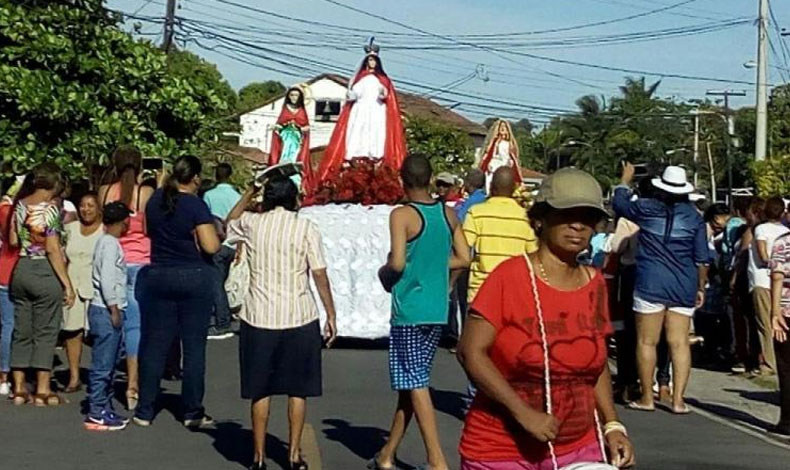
[{"x": 426, "y": 242}]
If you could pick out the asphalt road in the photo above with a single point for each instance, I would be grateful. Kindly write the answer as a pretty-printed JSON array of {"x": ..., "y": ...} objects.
[{"x": 346, "y": 427}]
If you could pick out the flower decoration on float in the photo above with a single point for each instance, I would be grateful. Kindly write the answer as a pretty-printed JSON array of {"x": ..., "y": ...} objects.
[
  {"x": 523, "y": 195},
  {"x": 363, "y": 181}
]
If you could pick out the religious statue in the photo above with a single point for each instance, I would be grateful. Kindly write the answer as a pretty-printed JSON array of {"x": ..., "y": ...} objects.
[
  {"x": 291, "y": 134},
  {"x": 369, "y": 125},
  {"x": 500, "y": 149}
]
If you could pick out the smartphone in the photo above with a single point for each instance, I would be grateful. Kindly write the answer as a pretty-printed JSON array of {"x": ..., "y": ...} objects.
[{"x": 153, "y": 163}]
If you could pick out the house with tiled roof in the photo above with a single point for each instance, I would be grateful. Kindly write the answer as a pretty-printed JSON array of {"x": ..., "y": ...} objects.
[{"x": 328, "y": 94}]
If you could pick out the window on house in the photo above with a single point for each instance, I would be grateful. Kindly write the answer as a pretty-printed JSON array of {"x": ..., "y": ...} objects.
[{"x": 327, "y": 110}]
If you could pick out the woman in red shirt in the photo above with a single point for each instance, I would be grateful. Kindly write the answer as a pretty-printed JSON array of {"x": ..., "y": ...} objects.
[{"x": 502, "y": 348}]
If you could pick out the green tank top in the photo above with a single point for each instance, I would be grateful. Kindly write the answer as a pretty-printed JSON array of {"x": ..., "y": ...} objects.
[{"x": 421, "y": 295}]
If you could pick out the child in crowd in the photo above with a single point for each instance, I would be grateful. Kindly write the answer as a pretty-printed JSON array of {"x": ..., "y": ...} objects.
[{"x": 106, "y": 318}]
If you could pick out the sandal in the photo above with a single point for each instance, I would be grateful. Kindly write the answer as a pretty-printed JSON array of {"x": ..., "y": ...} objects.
[
  {"x": 635, "y": 405},
  {"x": 73, "y": 388},
  {"x": 51, "y": 399},
  {"x": 299, "y": 465},
  {"x": 374, "y": 464},
  {"x": 681, "y": 411},
  {"x": 21, "y": 398},
  {"x": 132, "y": 397}
]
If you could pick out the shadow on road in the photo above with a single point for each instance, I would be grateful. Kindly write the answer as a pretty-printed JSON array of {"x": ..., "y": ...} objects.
[
  {"x": 364, "y": 441},
  {"x": 730, "y": 413},
  {"x": 449, "y": 402},
  {"x": 234, "y": 442},
  {"x": 768, "y": 396}
]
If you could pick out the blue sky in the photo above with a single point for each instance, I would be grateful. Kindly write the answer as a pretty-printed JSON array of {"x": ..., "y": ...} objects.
[{"x": 513, "y": 80}]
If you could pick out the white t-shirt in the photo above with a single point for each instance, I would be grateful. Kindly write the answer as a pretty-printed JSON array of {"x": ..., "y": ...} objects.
[{"x": 759, "y": 273}]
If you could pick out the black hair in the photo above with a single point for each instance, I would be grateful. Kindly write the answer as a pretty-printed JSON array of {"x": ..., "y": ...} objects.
[
  {"x": 774, "y": 208},
  {"x": 185, "y": 169},
  {"x": 7, "y": 183},
  {"x": 716, "y": 210},
  {"x": 280, "y": 191},
  {"x": 127, "y": 160},
  {"x": 379, "y": 68},
  {"x": 416, "y": 172},
  {"x": 645, "y": 188},
  {"x": 670, "y": 199},
  {"x": 91, "y": 193},
  {"x": 223, "y": 172},
  {"x": 476, "y": 179},
  {"x": 26, "y": 189},
  {"x": 300, "y": 101},
  {"x": 205, "y": 186}
]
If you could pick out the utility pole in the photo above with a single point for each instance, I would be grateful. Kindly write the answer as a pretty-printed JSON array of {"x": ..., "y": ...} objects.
[
  {"x": 170, "y": 25},
  {"x": 696, "y": 147},
  {"x": 761, "y": 138},
  {"x": 730, "y": 134}
]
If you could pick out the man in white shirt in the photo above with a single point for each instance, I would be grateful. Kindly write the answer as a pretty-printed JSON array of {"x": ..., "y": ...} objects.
[{"x": 765, "y": 234}]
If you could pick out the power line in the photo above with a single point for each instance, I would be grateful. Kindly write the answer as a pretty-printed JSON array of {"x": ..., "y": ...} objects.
[
  {"x": 145, "y": 4},
  {"x": 543, "y": 58}
]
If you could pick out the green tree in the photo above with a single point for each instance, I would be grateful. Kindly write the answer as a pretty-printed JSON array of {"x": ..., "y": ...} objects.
[
  {"x": 779, "y": 120},
  {"x": 449, "y": 149},
  {"x": 256, "y": 94},
  {"x": 73, "y": 86},
  {"x": 201, "y": 73}
]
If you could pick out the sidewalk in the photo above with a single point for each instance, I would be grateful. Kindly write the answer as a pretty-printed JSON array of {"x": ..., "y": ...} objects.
[{"x": 753, "y": 403}]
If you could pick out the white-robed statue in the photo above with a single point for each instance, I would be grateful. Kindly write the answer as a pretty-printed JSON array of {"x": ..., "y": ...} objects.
[{"x": 370, "y": 125}]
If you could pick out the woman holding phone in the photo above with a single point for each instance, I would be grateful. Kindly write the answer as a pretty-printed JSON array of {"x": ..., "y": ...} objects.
[{"x": 280, "y": 341}]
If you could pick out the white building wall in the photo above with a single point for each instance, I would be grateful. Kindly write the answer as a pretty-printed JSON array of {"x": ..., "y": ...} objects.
[{"x": 257, "y": 125}]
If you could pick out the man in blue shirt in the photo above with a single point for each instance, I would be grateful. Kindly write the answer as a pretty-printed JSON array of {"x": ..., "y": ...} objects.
[
  {"x": 671, "y": 275},
  {"x": 223, "y": 197},
  {"x": 474, "y": 186},
  {"x": 220, "y": 201}
]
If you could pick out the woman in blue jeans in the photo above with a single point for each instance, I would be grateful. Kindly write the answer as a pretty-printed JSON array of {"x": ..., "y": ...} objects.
[{"x": 175, "y": 290}]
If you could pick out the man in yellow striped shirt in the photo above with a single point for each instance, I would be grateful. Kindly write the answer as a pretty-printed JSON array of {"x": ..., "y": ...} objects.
[{"x": 497, "y": 229}]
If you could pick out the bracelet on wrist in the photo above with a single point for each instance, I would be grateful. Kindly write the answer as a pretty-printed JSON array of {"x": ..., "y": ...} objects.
[{"x": 614, "y": 426}]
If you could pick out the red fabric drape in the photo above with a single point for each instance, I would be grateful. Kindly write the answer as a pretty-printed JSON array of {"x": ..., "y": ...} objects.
[
  {"x": 300, "y": 119},
  {"x": 395, "y": 144},
  {"x": 490, "y": 154}
]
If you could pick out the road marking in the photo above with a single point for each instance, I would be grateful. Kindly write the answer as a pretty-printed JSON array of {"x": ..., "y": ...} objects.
[
  {"x": 310, "y": 449},
  {"x": 746, "y": 428}
]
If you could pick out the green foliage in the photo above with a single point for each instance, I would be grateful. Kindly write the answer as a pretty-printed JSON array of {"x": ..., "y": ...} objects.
[
  {"x": 73, "y": 86},
  {"x": 779, "y": 120},
  {"x": 449, "y": 149},
  {"x": 201, "y": 73},
  {"x": 772, "y": 176},
  {"x": 256, "y": 94}
]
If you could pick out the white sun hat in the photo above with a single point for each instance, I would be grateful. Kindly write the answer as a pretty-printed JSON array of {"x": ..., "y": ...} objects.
[{"x": 674, "y": 181}]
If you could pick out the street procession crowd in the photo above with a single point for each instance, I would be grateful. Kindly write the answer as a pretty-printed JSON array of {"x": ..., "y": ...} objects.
[{"x": 137, "y": 270}]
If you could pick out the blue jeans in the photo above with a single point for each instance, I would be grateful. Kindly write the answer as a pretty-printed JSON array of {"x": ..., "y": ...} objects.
[
  {"x": 6, "y": 328},
  {"x": 222, "y": 260},
  {"x": 105, "y": 352},
  {"x": 131, "y": 315},
  {"x": 174, "y": 301}
]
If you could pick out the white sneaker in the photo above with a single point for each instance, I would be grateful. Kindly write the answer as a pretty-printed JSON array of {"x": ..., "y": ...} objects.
[{"x": 5, "y": 388}]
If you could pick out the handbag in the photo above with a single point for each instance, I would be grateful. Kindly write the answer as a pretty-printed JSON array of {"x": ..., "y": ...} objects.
[
  {"x": 604, "y": 465},
  {"x": 238, "y": 282}
]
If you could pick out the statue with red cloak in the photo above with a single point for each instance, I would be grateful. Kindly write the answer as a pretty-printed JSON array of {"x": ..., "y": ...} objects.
[
  {"x": 500, "y": 149},
  {"x": 291, "y": 135},
  {"x": 369, "y": 125}
]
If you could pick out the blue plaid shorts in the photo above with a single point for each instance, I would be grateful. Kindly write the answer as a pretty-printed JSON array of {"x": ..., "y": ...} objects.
[{"x": 412, "y": 349}]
